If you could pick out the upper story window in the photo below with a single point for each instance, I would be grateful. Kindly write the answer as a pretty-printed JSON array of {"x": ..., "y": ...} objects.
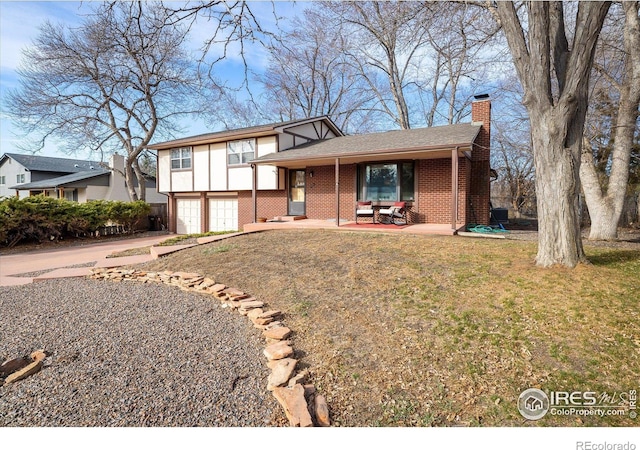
[
  {"x": 2, "y": 180},
  {"x": 386, "y": 182},
  {"x": 20, "y": 178},
  {"x": 241, "y": 152},
  {"x": 181, "y": 158}
]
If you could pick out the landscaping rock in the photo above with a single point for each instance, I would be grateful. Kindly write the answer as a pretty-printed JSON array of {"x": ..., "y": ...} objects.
[
  {"x": 262, "y": 322},
  {"x": 278, "y": 333},
  {"x": 217, "y": 288},
  {"x": 270, "y": 314},
  {"x": 278, "y": 351},
  {"x": 300, "y": 378},
  {"x": 254, "y": 313},
  {"x": 251, "y": 305},
  {"x": 321, "y": 411},
  {"x": 38, "y": 355},
  {"x": 13, "y": 365},
  {"x": 23, "y": 373},
  {"x": 275, "y": 324},
  {"x": 281, "y": 372},
  {"x": 294, "y": 404}
]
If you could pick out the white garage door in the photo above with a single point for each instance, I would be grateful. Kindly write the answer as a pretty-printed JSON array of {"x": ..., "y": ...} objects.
[
  {"x": 223, "y": 214},
  {"x": 188, "y": 216}
]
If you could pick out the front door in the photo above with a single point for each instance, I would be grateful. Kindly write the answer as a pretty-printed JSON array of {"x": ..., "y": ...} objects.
[{"x": 296, "y": 192}]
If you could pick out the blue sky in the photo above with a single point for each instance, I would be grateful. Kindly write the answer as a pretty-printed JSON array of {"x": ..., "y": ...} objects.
[{"x": 19, "y": 22}]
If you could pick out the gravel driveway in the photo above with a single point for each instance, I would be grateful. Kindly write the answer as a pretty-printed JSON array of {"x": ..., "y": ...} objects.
[{"x": 130, "y": 354}]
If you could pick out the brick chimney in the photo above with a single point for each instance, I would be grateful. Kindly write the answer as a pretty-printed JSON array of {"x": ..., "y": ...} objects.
[
  {"x": 481, "y": 115},
  {"x": 480, "y": 187}
]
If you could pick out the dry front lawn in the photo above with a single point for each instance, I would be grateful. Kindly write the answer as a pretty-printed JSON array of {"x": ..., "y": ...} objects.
[{"x": 401, "y": 330}]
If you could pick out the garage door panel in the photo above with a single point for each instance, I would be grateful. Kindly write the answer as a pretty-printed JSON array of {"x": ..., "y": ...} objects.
[
  {"x": 187, "y": 216},
  {"x": 223, "y": 214}
]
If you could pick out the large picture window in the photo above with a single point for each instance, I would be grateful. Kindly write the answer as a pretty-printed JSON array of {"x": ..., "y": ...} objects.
[
  {"x": 386, "y": 182},
  {"x": 240, "y": 152},
  {"x": 181, "y": 158}
]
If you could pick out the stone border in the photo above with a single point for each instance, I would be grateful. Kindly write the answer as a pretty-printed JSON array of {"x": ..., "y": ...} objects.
[{"x": 303, "y": 406}]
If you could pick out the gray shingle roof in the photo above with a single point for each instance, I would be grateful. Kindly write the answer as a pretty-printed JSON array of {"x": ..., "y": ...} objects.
[
  {"x": 433, "y": 138},
  {"x": 61, "y": 181},
  {"x": 51, "y": 164}
]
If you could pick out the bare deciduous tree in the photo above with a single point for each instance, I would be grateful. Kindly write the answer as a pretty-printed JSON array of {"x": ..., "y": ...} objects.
[
  {"x": 553, "y": 67},
  {"x": 617, "y": 81},
  {"x": 309, "y": 75},
  {"x": 387, "y": 36},
  {"x": 114, "y": 83}
]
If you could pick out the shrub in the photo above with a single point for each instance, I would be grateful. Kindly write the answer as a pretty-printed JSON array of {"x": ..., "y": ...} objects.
[{"x": 45, "y": 218}]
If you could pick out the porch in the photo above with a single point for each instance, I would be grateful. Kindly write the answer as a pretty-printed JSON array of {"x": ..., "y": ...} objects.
[{"x": 348, "y": 225}]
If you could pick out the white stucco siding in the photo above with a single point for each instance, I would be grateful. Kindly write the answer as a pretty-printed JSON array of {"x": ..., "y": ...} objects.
[
  {"x": 182, "y": 181},
  {"x": 240, "y": 179},
  {"x": 307, "y": 130},
  {"x": 201, "y": 168},
  {"x": 267, "y": 177},
  {"x": 267, "y": 145},
  {"x": 164, "y": 170},
  {"x": 218, "y": 166}
]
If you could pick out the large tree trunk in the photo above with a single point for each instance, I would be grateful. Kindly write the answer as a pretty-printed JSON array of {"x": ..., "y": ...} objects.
[
  {"x": 142, "y": 181},
  {"x": 129, "y": 177},
  {"x": 555, "y": 79},
  {"x": 557, "y": 190},
  {"x": 604, "y": 210},
  {"x": 605, "y": 207}
]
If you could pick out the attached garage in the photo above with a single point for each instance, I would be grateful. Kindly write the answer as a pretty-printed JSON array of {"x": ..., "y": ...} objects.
[
  {"x": 187, "y": 216},
  {"x": 223, "y": 214}
]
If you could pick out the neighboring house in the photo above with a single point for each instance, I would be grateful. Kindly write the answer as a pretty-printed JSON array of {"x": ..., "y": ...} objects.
[
  {"x": 308, "y": 168},
  {"x": 76, "y": 180}
]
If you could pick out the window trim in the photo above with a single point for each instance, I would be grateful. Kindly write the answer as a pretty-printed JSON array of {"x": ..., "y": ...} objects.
[
  {"x": 242, "y": 154},
  {"x": 361, "y": 174},
  {"x": 182, "y": 158}
]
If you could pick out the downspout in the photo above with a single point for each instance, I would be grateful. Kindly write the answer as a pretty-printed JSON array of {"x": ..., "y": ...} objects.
[{"x": 337, "y": 192}]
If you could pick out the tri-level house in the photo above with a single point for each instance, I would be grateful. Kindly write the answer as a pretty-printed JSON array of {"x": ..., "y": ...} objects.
[{"x": 310, "y": 169}]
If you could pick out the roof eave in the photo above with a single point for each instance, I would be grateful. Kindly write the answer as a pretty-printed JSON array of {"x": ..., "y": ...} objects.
[
  {"x": 381, "y": 153},
  {"x": 211, "y": 138}
]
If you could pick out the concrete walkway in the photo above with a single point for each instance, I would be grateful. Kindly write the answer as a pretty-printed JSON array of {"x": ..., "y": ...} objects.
[{"x": 56, "y": 261}]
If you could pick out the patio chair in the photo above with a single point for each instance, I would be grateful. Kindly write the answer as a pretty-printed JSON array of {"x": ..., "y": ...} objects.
[
  {"x": 396, "y": 214},
  {"x": 365, "y": 209}
]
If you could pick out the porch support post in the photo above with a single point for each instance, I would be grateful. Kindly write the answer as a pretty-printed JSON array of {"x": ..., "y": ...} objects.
[
  {"x": 337, "y": 192},
  {"x": 204, "y": 213},
  {"x": 254, "y": 193},
  {"x": 171, "y": 207},
  {"x": 60, "y": 192},
  {"x": 454, "y": 188}
]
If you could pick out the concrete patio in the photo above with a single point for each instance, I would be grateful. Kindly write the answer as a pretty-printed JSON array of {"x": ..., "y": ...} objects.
[{"x": 347, "y": 225}]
